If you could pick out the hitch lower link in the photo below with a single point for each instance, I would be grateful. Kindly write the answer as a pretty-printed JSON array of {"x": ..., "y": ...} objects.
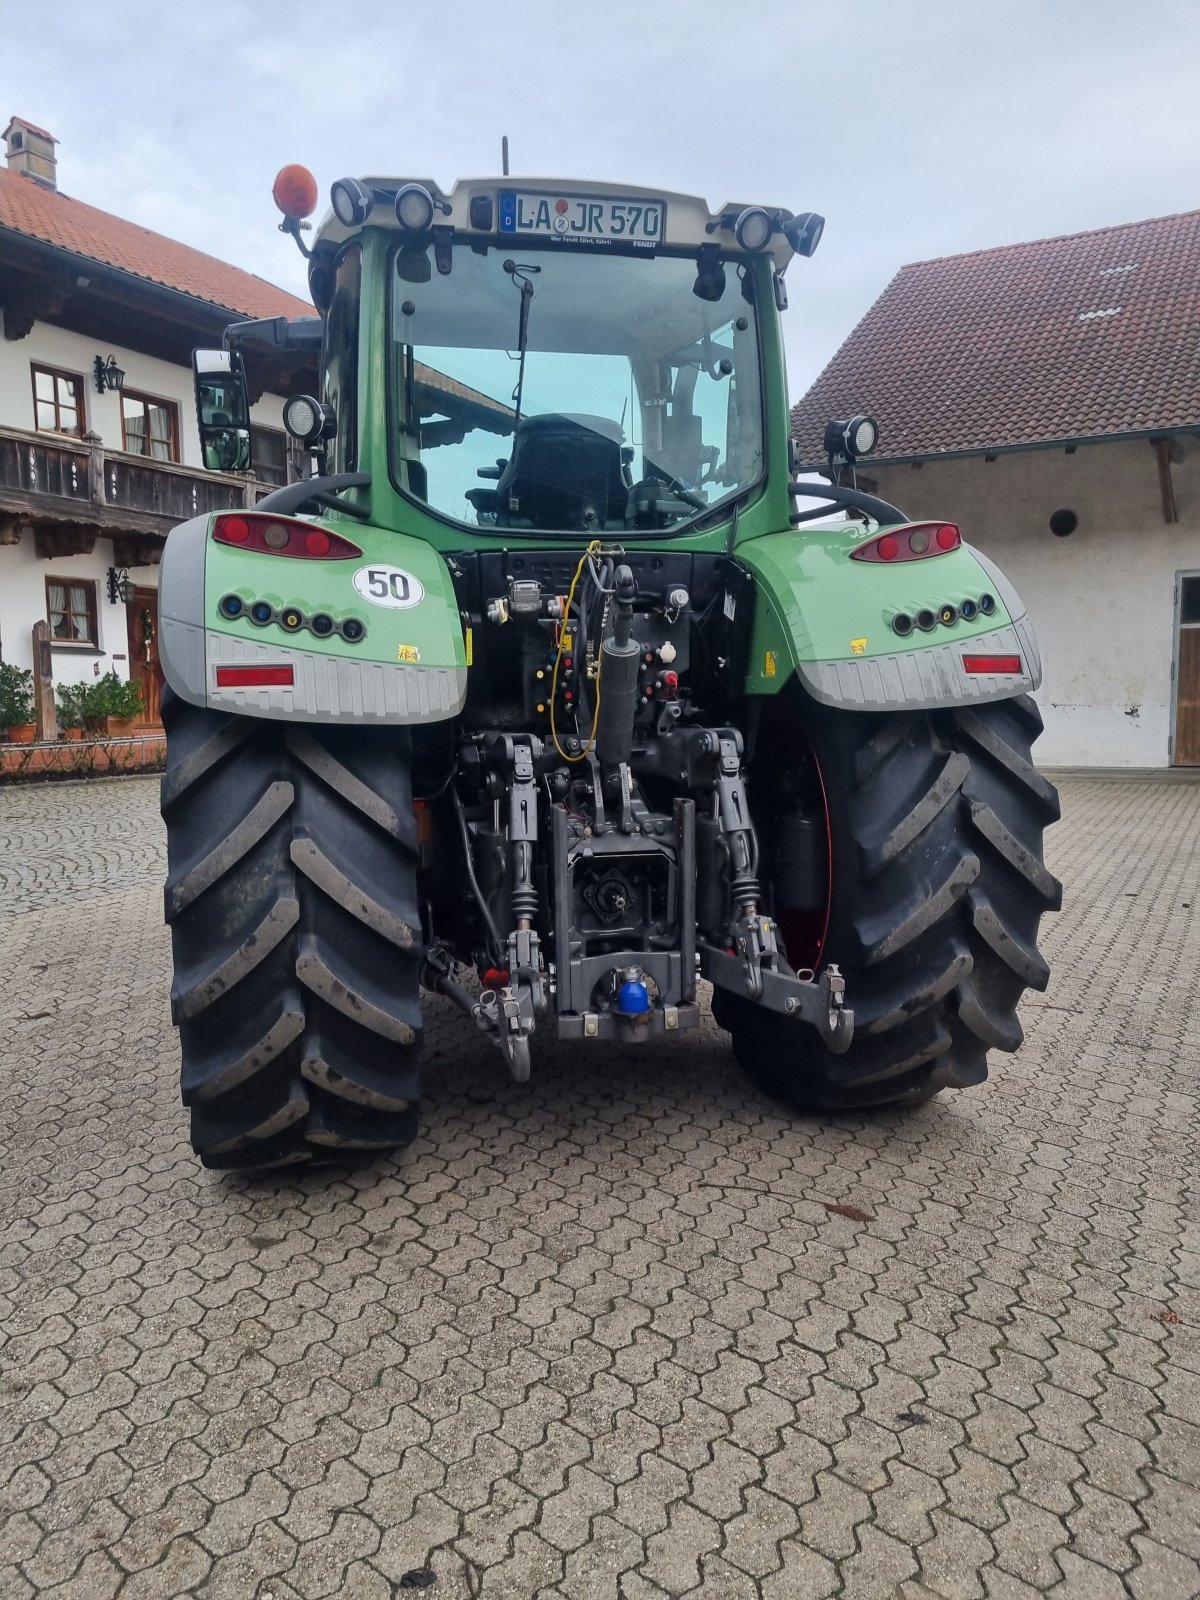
[
  {"x": 753, "y": 965},
  {"x": 508, "y": 1013},
  {"x": 756, "y": 968}
]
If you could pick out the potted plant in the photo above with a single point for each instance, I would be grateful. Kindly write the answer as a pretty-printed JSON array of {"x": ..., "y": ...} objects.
[
  {"x": 111, "y": 704},
  {"x": 16, "y": 703},
  {"x": 70, "y": 709}
]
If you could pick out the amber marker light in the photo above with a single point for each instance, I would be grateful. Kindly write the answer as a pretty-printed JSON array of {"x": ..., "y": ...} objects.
[{"x": 295, "y": 192}]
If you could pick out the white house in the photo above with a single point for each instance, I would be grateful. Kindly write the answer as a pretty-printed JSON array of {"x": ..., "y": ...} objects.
[
  {"x": 1046, "y": 396},
  {"x": 95, "y": 469}
]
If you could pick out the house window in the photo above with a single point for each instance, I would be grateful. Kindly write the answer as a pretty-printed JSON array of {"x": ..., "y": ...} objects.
[
  {"x": 269, "y": 455},
  {"x": 57, "y": 401},
  {"x": 71, "y": 611},
  {"x": 149, "y": 427}
]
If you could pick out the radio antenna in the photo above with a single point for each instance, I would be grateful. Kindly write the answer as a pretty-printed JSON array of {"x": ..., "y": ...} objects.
[{"x": 504, "y": 154}]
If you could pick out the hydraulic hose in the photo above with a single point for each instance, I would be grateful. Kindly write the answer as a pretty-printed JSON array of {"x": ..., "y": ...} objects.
[{"x": 469, "y": 863}]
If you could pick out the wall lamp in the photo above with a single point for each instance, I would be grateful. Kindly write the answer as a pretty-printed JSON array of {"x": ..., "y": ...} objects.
[
  {"x": 108, "y": 375},
  {"x": 119, "y": 586}
]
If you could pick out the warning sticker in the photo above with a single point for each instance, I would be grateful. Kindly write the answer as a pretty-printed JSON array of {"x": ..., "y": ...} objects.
[
  {"x": 408, "y": 653},
  {"x": 858, "y": 647},
  {"x": 769, "y": 667}
]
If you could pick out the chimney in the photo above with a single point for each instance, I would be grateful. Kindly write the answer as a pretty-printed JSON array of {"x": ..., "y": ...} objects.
[{"x": 30, "y": 151}]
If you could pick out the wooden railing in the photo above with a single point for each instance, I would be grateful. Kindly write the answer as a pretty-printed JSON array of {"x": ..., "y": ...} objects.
[{"x": 85, "y": 472}]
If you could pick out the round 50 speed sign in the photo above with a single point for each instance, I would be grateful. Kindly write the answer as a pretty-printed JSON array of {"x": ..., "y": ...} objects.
[{"x": 393, "y": 587}]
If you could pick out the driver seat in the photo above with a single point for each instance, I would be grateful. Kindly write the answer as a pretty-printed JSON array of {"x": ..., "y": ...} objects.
[{"x": 567, "y": 470}]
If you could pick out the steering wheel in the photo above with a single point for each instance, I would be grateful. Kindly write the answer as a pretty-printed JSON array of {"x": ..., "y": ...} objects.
[{"x": 691, "y": 496}]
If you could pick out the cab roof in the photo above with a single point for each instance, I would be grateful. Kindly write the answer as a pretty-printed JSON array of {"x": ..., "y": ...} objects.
[{"x": 689, "y": 221}]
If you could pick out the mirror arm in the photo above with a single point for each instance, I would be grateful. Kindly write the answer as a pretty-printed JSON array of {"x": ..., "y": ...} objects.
[{"x": 284, "y": 333}]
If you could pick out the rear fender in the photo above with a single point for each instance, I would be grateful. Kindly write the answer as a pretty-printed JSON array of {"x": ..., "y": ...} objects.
[
  {"x": 410, "y": 666},
  {"x": 828, "y": 620}
]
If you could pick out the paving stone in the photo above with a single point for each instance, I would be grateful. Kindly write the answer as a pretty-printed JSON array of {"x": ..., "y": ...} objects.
[
  {"x": 1086, "y": 1580},
  {"x": 1027, "y": 1541},
  {"x": 1163, "y": 1574},
  {"x": 599, "y": 1337},
  {"x": 1100, "y": 1528},
  {"x": 953, "y": 1560}
]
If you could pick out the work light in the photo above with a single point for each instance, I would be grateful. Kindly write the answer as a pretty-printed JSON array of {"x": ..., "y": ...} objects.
[
  {"x": 414, "y": 208},
  {"x": 351, "y": 202},
  {"x": 846, "y": 441},
  {"x": 753, "y": 228},
  {"x": 804, "y": 232},
  {"x": 308, "y": 420}
]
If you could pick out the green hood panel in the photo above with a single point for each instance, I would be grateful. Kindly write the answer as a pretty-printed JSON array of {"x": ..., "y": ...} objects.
[
  {"x": 409, "y": 664},
  {"x": 822, "y": 615},
  {"x": 411, "y": 623}
]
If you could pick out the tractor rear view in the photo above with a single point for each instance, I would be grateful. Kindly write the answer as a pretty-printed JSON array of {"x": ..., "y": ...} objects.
[{"x": 540, "y": 693}]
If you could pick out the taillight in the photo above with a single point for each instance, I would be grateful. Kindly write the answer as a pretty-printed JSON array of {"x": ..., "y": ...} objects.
[
  {"x": 255, "y": 677},
  {"x": 1005, "y": 664},
  {"x": 910, "y": 544},
  {"x": 276, "y": 536}
]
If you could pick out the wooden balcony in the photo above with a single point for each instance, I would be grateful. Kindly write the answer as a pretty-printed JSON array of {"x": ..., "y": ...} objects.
[{"x": 70, "y": 492}]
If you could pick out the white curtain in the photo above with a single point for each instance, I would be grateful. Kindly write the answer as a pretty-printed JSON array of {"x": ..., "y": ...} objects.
[{"x": 160, "y": 433}]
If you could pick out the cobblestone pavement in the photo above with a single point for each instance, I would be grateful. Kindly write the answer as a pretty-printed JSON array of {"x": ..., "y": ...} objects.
[{"x": 629, "y": 1330}]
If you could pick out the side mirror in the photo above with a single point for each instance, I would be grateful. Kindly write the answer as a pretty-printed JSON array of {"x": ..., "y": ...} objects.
[{"x": 222, "y": 409}]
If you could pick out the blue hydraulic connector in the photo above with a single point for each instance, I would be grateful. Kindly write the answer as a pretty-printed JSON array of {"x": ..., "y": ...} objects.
[{"x": 633, "y": 999}]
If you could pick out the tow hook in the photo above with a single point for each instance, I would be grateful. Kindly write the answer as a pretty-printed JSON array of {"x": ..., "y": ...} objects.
[
  {"x": 497, "y": 1012},
  {"x": 500, "y": 1014},
  {"x": 837, "y": 1026}
]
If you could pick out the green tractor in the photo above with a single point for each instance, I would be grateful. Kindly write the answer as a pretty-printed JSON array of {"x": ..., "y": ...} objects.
[{"x": 548, "y": 670}]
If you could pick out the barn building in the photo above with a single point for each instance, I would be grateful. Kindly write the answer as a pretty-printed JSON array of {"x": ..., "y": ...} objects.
[{"x": 1046, "y": 396}]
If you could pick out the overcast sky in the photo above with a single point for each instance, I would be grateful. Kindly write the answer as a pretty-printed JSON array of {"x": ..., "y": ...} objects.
[{"x": 917, "y": 127}]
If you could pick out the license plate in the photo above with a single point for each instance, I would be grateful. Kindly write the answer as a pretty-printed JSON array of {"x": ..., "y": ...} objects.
[{"x": 581, "y": 217}]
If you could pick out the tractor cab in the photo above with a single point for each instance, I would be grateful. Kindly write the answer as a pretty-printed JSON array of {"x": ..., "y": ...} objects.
[{"x": 556, "y": 359}]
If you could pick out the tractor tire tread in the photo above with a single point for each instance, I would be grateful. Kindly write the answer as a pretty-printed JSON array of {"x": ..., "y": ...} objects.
[
  {"x": 943, "y": 885},
  {"x": 292, "y": 902}
]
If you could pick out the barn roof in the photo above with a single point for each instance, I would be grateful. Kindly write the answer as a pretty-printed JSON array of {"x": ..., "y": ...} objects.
[{"x": 1076, "y": 337}]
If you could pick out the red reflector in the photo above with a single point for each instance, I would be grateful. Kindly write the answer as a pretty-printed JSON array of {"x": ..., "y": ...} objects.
[
  {"x": 948, "y": 537},
  {"x": 282, "y": 536},
  {"x": 255, "y": 677},
  {"x": 991, "y": 663},
  {"x": 494, "y": 977},
  {"x": 888, "y": 548}
]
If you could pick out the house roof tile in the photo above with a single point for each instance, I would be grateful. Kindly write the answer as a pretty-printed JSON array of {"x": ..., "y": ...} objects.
[
  {"x": 54, "y": 218},
  {"x": 40, "y": 213},
  {"x": 1079, "y": 336}
]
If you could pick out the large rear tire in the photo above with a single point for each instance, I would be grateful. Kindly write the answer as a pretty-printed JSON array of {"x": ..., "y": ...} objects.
[
  {"x": 292, "y": 902},
  {"x": 935, "y": 823}
]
